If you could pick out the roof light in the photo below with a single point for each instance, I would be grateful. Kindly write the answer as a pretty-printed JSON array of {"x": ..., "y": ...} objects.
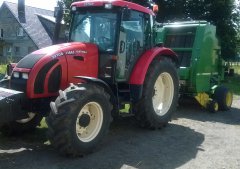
[
  {"x": 108, "y": 6},
  {"x": 155, "y": 8},
  {"x": 74, "y": 8}
]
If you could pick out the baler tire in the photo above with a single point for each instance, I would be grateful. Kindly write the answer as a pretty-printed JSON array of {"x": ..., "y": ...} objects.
[
  {"x": 212, "y": 106},
  {"x": 224, "y": 98},
  {"x": 68, "y": 132},
  {"x": 18, "y": 128},
  {"x": 147, "y": 112}
]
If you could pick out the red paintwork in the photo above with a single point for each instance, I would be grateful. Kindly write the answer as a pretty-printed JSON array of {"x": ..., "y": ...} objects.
[
  {"x": 88, "y": 67},
  {"x": 70, "y": 67},
  {"x": 139, "y": 72},
  {"x": 120, "y": 3},
  {"x": 24, "y": 70}
]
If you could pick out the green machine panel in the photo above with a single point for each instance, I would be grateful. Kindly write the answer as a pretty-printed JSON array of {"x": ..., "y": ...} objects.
[{"x": 198, "y": 50}]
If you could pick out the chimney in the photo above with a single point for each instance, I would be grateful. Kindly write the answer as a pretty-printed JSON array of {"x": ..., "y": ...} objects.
[{"x": 21, "y": 11}]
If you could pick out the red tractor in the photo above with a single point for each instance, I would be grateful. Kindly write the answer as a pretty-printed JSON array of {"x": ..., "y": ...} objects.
[{"x": 111, "y": 61}]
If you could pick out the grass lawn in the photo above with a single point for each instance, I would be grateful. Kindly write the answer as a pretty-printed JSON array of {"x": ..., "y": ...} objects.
[
  {"x": 3, "y": 69},
  {"x": 236, "y": 69}
]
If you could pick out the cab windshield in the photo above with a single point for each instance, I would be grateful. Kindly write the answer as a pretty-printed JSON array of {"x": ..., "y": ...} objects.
[{"x": 95, "y": 26}]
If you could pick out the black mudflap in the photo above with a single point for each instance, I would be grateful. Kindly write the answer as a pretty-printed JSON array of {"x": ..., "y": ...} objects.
[{"x": 10, "y": 105}]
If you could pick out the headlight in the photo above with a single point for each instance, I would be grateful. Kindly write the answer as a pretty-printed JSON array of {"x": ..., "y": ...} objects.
[
  {"x": 25, "y": 75},
  {"x": 16, "y": 74}
]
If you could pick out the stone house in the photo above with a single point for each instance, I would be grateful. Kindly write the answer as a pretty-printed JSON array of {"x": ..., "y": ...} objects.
[{"x": 23, "y": 29}]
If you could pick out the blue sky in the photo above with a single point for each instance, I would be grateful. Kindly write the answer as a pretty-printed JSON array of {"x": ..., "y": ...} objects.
[{"x": 45, "y": 4}]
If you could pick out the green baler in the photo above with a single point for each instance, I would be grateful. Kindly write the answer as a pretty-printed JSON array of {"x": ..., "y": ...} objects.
[{"x": 201, "y": 66}]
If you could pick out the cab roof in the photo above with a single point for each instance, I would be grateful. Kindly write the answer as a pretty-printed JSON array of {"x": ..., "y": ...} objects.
[{"x": 120, "y": 3}]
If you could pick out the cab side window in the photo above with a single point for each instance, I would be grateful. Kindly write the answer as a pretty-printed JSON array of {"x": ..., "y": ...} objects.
[{"x": 134, "y": 26}]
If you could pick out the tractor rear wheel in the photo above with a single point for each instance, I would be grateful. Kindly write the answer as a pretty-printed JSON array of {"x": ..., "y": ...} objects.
[
  {"x": 223, "y": 97},
  {"x": 78, "y": 126},
  {"x": 160, "y": 94},
  {"x": 23, "y": 125}
]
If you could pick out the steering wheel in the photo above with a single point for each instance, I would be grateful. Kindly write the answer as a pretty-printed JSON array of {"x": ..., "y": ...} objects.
[
  {"x": 103, "y": 39},
  {"x": 104, "y": 42}
]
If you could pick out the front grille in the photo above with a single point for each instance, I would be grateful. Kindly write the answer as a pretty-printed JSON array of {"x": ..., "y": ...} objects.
[
  {"x": 40, "y": 79},
  {"x": 18, "y": 84}
]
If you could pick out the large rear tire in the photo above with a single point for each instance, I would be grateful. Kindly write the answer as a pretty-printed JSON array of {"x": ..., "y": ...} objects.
[
  {"x": 223, "y": 97},
  {"x": 78, "y": 127},
  {"x": 21, "y": 126},
  {"x": 160, "y": 94}
]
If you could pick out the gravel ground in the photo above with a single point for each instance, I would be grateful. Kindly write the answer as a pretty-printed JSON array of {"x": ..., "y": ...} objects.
[{"x": 193, "y": 139}]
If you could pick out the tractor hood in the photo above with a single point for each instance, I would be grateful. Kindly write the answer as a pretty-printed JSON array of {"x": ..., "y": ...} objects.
[
  {"x": 45, "y": 71},
  {"x": 54, "y": 52}
]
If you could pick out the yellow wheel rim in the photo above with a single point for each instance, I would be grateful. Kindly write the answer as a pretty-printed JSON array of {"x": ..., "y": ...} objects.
[
  {"x": 229, "y": 99},
  {"x": 89, "y": 130},
  {"x": 216, "y": 106}
]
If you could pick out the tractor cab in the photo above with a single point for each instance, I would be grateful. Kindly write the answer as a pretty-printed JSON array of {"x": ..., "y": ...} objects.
[{"x": 121, "y": 34}]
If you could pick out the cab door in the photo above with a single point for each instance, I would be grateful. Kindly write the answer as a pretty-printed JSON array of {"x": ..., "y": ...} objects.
[{"x": 133, "y": 42}]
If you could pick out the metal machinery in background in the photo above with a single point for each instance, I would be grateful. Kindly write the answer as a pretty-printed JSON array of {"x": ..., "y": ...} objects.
[{"x": 201, "y": 66}]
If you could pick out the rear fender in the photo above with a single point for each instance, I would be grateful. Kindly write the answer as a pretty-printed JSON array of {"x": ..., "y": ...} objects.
[{"x": 140, "y": 69}]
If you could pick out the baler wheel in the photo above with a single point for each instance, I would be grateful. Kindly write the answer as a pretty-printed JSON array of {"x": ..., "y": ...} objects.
[
  {"x": 160, "y": 95},
  {"x": 23, "y": 125},
  {"x": 224, "y": 98},
  {"x": 78, "y": 126},
  {"x": 212, "y": 106}
]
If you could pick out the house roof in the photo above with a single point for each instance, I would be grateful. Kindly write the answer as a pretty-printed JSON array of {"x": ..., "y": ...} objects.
[
  {"x": 50, "y": 18},
  {"x": 32, "y": 24}
]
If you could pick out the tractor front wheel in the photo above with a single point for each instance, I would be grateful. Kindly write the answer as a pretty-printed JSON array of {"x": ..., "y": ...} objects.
[
  {"x": 160, "y": 94},
  {"x": 78, "y": 126}
]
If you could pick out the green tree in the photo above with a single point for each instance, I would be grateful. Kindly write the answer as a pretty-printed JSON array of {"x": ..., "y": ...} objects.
[
  {"x": 222, "y": 13},
  {"x": 237, "y": 18},
  {"x": 67, "y": 5}
]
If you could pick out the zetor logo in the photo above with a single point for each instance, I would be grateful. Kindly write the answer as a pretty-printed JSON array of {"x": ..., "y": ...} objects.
[
  {"x": 57, "y": 55},
  {"x": 88, "y": 4},
  {"x": 70, "y": 52}
]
